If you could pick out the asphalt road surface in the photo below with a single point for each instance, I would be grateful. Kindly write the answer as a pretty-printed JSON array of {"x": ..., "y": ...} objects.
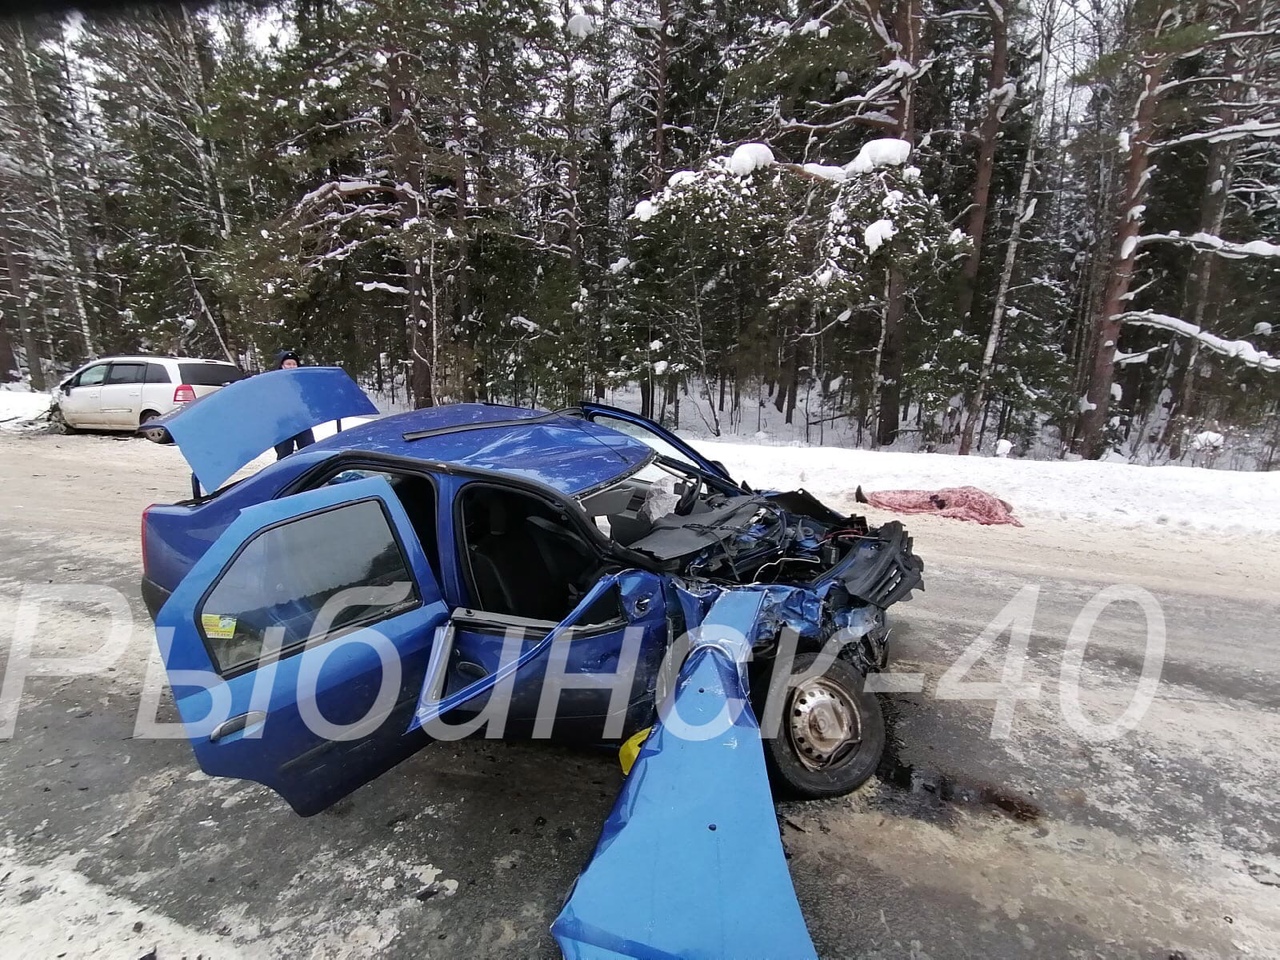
[{"x": 1161, "y": 843}]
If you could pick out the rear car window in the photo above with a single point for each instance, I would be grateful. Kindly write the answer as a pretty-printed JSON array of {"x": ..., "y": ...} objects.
[
  {"x": 285, "y": 575},
  {"x": 418, "y": 497},
  {"x": 156, "y": 373},
  {"x": 126, "y": 373},
  {"x": 209, "y": 374}
]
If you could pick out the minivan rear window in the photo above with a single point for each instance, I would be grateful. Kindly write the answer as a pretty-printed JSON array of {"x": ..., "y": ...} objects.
[
  {"x": 209, "y": 374},
  {"x": 156, "y": 373}
]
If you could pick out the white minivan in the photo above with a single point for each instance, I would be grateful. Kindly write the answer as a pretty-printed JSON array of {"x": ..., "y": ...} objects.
[{"x": 122, "y": 393}]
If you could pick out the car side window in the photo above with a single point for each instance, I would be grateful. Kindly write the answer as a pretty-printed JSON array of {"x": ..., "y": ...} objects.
[
  {"x": 418, "y": 497},
  {"x": 91, "y": 376},
  {"x": 126, "y": 373},
  {"x": 304, "y": 581},
  {"x": 156, "y": 373}
]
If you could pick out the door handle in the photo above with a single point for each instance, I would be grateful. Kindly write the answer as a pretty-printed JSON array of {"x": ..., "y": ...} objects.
[{"x": 236, "y": 724}]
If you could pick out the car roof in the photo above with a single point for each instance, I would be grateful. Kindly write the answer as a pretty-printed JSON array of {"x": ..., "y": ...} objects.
[
  {"x": 560, "y": 450},
  {"x": 151, "y": 358}
]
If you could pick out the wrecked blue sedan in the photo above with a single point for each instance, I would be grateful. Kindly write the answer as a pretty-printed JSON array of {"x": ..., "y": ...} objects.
[{"x": 575, "y": 575}]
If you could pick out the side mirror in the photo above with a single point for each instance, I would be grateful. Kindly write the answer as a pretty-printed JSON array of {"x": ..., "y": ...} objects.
[{"x": 66, "y": 388}]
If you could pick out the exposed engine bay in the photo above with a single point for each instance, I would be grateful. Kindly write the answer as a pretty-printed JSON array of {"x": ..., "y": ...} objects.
[{"x": 689, "y": 528}]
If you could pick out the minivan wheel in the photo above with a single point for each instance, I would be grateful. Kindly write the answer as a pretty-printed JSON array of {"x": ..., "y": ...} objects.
[
  {"x": 832, "y": 733},
  {"x": 58, "y": 422},
  {"x": 147, "y": 417}
]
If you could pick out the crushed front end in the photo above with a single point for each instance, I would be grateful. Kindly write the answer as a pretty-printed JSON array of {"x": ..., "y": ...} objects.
[{"x": 839, "y": 573}]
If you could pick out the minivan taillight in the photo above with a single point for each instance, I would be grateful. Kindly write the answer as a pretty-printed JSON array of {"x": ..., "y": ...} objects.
[{"x": 184, "y": 394}]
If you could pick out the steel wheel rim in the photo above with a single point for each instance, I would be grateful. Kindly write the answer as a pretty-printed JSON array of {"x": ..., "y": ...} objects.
[{"x": 823, "y": 723}]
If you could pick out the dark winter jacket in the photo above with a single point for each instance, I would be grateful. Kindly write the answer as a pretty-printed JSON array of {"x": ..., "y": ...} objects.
[{"x": 305, "y": 438}]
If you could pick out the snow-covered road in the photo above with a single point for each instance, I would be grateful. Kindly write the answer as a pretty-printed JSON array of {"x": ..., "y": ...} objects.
[{"x": 1137, "y": 847}]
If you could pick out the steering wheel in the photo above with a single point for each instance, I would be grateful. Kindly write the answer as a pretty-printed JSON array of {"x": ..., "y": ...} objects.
[{"x": 684, "y": 506}]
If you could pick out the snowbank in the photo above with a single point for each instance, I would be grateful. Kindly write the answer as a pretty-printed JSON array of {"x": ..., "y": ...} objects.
[
  {"x": 1114, "y": 493},
  {"x": 19, "y": 407},
  {"x": 1086, "y": 491}
]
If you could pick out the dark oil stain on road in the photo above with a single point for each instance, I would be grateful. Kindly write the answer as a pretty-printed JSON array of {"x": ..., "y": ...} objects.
[{"x": 940, "y": 788}]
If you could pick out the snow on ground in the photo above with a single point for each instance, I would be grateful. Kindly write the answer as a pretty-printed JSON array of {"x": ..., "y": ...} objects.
[
  {"x": 20, "y": 405},
  {"x": 320, "y": 432},
  {"x": 1116, "y": 493},
  {"x": 53, "y": 911},
  {"x": 1106, "y": 492}
]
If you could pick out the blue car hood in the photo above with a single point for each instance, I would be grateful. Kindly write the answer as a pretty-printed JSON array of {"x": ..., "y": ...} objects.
[{"x": 221, "y": 432}]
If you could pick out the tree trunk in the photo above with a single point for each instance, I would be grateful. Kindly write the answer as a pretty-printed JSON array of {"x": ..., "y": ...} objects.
[
  {"x": 891, "y": 359},
  {"x": 1124, "y": 254},
  {"x": 9, "y": 367},
  {"x": 423, "y": 306},
  {"x": 997, "y": 101},
  {"x": 908, "y": 17},
  {"x": 978, "y": 398},
  {"x": 53, "y": 183},
  {"x": 204, "y": 305},
  {"x": 207, "y": 160},
  {"x": 461, "y": 274},
  {"x": 423, "y": 318},
  {"x": 786, "y": 383},
  {"x": 794, "y": 384},
  {"x": 1213, "y": 208},
  {"x": 661, "y": 73},
  {"x": 1101, "y": 203},
  {"x": 21, "y": 302},
  {"x": 589, "y": 345}
]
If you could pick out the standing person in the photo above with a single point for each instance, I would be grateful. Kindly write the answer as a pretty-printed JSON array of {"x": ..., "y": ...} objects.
[{"x": 288, "y": 360}]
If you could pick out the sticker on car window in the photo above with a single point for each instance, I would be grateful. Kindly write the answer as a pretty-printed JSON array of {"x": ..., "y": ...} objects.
[{"x": 218, "y": 627}]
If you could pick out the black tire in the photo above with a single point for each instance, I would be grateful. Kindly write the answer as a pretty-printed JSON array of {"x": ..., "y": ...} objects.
[
  {"x": 806, "y": 768},
  {"x": 147, "y": 417}
]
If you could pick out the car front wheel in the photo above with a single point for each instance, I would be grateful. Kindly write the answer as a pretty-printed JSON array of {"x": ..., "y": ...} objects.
[
  {"x": 59, "y": 421},
  {"x": 831, "y": 735}
]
